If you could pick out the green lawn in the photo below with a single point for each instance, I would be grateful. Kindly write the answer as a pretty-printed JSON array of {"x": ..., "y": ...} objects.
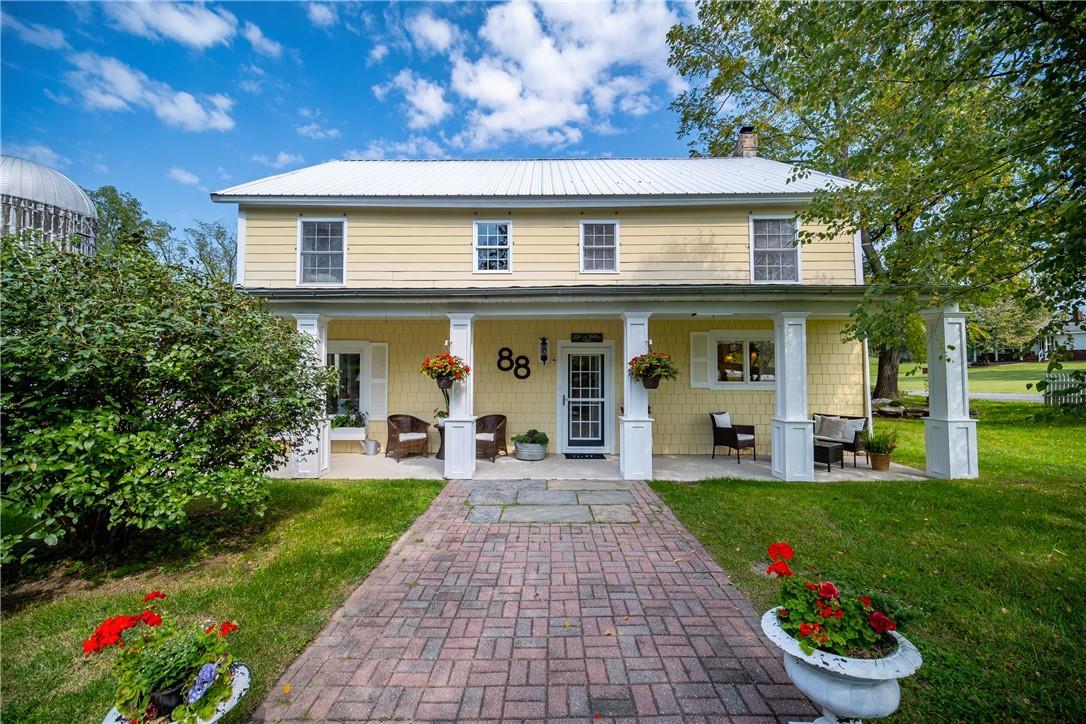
[
  {"x": 991, "y": 572},
  {"x": 281, "y": 581},
  {"x": 1004, "y": 378}
]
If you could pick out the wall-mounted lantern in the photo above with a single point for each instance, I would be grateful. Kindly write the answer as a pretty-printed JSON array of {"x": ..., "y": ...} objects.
[{"x": 544, "y": 350}]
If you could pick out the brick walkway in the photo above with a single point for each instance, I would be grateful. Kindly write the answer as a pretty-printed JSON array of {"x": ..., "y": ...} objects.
[{"x": 505, "y": 621}]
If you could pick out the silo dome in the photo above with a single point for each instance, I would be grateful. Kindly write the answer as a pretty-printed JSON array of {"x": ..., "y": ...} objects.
[{"x": 36, "y": 197}]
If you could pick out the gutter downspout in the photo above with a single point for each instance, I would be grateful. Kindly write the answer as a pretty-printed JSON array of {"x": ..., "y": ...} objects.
[{"x": 867, "y": 389}]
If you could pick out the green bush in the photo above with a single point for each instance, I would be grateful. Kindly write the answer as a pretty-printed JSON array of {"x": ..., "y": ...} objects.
[
  {"x": 532, "y": 437},
  {"x": 134, "y": 391}
]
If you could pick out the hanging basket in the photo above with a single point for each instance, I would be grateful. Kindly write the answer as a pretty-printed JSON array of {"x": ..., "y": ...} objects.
[
  {"x": 650, "y": 383},
  {"x": 444, "y": 383}
]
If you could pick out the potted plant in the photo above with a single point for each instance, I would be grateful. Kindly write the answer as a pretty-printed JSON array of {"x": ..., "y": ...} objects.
[
  {"x": 651, "y": 367},
  {"x": 166, "y": 672},
  {"x": 880, "y": 446},
  {"x": 840, "y": 649},
  {"x": 439, "y": 416},
  {"x": 532, "y": 445},
  {"x": 350, "y": 425},
  {"x": 445, "y": 369}
]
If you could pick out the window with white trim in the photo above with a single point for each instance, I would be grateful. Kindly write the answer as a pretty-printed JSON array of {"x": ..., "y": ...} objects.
[
  {"x": 738, "y": 359},
  {"x": 322, "y": 252},
  {"x": 493, "y": 247},
  {"x": 774, "y": 249},
  {"x": 599, "y": 246}
]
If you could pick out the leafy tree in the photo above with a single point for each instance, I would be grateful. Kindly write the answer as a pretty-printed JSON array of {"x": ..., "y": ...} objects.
[
  {"x": 122, "y": 221},
  {"x": 962, "y": 121},
  {"x": 135, "y": 389},
  {"x": 1006, "y": 323},
  {"x": 211, "y": 246}
]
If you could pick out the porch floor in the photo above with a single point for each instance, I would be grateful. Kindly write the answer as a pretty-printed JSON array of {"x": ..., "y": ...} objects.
[{"x": 355, "y": 466}]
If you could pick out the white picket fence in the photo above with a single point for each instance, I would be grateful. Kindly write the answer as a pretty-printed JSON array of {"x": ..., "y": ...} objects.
[{"x": 1062, "y": 390}]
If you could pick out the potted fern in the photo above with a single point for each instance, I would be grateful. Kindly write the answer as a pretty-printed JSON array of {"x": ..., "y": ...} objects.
[{"x": 880, "y": 446}]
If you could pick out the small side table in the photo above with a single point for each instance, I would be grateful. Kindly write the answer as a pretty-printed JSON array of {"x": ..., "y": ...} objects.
[{"x": 829, "y": 453}]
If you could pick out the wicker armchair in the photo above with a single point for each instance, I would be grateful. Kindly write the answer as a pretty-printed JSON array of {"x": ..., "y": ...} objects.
[
  {"x": 490, "y": 436},
  {"x": 406, "y": 436},
  {"x": 737, "y": 437},
  {"x": 852, "y": 440}
]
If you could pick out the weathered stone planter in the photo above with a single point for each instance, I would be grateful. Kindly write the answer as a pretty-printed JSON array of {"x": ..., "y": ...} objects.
[
  {"x": 242, "y": 678},
  {"x": 845, "y": 688},
  {"x": 529, "y": 451}
]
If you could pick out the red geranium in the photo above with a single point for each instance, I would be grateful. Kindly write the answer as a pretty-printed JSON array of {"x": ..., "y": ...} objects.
[
  {"x": 881, "y": 622},
  {"x": 810, "y": 585},
  {"x": 151, "y": 618},
  {"x": 865, "y": 601},
  {"x": 108, "y": 633},
  {"x": 153, "y": 595},
  {"x": 227, "y": 628},
  {"x": 778, "y": 551},
  {"x": 806, "y": 629},
  {"x": 782, "y": 612},
  {"x": 780, "y": 568},
  {"x": 828, "y": 590}
]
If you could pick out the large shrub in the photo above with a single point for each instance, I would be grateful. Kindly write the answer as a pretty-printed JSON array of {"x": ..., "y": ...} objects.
[{"x": 133, "y": 391}]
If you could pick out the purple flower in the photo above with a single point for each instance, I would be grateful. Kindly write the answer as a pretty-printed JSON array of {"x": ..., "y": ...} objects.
[{"x": 204, "y": 680}]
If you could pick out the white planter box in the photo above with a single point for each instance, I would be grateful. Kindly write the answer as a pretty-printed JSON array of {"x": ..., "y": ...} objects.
[{"x": 357, "y": 434}]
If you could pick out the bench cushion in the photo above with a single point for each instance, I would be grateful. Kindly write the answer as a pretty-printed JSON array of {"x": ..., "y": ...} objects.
[
  {"x": 408, "y": 436},
  {"x": 485, "y": 436},
  {"x": 744, "y": 438}
]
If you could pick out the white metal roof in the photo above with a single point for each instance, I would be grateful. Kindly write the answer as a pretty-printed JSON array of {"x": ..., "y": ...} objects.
[
  {"x": 32, "y": 181},
  {"x": 538, "y": 180}
]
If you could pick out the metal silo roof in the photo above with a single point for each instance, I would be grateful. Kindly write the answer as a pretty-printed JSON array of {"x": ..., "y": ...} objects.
[{"x": 32, "y": 181}]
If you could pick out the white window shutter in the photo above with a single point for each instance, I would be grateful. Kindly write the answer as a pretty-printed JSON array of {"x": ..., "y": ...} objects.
[
  {"x": 699, "y": 359},
  {"x": 378, "y": 381}
]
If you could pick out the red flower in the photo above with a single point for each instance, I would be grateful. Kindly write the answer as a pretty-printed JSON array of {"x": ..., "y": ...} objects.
[
  {"x": 780, "y": 568},
  {"x": 108, "y": 633},
  {"x": 828, "y": 590},
  {"x": 209, "y": 629},
  {"x": 865, "y": 601},
  {"x": 810, "y": 585},
  {"x": 781, "y": 551},
  {"x": 880, "y": 622},
  {"x": 151, "y": 618},
  {"x": 153, "y": 595},
  {"x": 840, "y": 613},
  {"x": 806, "y": 629},
  {"x": 783, "y": 612},
  {"x": 227, "y": 628}
]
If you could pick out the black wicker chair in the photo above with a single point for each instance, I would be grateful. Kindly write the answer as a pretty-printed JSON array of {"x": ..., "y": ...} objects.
[{"x": 736, "y": 437}]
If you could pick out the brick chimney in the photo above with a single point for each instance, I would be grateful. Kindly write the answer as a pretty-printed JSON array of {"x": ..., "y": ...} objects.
[{"x": 746, "y": 146}]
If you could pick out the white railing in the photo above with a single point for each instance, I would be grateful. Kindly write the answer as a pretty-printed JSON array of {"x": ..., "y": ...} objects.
[{"x": 1063, "y": 390}]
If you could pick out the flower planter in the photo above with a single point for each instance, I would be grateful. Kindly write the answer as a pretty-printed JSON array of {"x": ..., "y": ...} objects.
[
  {"x": 444, "y": 383},
  {"x": 650, "y": 383},
  {"x": 529, "y": 451},
  {"x": 347, "y": 433},
  {"x": 879, "y": 461},
  {"x": 845, "y": 688},
  {"x": 240, "y": 680}
]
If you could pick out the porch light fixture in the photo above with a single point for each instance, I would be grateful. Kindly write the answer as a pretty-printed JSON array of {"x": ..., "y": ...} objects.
[{"x": 544, "y": 348}]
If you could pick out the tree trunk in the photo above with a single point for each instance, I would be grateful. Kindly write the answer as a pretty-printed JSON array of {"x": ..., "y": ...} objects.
[{"x": 886, "y": 382}]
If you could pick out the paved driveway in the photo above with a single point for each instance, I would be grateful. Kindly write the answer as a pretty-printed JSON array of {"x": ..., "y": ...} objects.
[{"x": 468, "y": 618}]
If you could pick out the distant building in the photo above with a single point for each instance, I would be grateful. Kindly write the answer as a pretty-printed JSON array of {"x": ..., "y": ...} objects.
[
  {"x": 1072, "y": 338},
  {"x": 37, "y": 198}
]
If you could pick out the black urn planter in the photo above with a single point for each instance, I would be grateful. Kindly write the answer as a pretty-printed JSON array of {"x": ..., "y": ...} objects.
[
  {"x": 167, "y": 700},
  {"x": 650, "y": 383},
  {"x": 445, "y": 383}
]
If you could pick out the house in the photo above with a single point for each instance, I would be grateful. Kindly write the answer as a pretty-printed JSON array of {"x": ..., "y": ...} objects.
[
  {"x": 1071, "y": 339},
  {"x": 569, "y": 268}
]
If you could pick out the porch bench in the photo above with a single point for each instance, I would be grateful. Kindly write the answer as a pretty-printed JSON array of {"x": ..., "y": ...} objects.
[{"x": 846, "y": 430}]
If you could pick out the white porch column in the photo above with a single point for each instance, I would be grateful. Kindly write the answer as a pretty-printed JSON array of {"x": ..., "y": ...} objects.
[
  {"x": 793, "y": 430},
  {"x": 313, "y": 456},
  {"x": 460, "y": 424},
  {"x": 950, "y": 436},
  {"x": 635, "y": 454}
]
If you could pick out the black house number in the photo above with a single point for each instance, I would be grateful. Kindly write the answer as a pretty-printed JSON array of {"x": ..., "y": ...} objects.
[{"x": 518, "y": 365}]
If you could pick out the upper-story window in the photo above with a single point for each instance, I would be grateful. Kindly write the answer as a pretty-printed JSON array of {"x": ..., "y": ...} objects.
[
  {"x": 322, "y": 251},
  {"x": 774, "y": 251},
  {"x": 493, "y": 246},
  {"x": 599, "y": 246}
]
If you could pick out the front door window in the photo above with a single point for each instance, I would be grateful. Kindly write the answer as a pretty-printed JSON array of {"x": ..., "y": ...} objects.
[{"x": 586, "y": 400}]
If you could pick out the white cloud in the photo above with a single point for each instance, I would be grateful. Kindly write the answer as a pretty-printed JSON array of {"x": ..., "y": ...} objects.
[
  {"x": 426, "y": 104},
  {"x": 431, "y": 33},
  {"x": 253, "y": 81},
  {"x": 323, "y": 15},
  {"x": 281, "y": 160},
  {"x": 317, "y": 132},
  {"x": 260, "y": 42},
  {"x": 34, "y": 33},
  {"x": 36, "y": 152},
  {"x": 195, "y": 25},
  {"x": 223, "y": 173},
  {"x": 377, "y": 53},
  {"x": 183, "y": 176},
  {"x": 108, "y": 84},
  {"x": 413, "y": 147},
  {"x": 546, "y": 71}
]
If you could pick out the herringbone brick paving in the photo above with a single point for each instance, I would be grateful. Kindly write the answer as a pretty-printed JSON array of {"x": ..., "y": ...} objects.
[{"x": 489, "y": 621}]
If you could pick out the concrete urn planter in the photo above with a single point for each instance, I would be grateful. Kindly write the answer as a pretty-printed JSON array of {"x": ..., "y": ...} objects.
[
  {"x": 846, "y": 689},
  {"x": 529, "y": 451}
]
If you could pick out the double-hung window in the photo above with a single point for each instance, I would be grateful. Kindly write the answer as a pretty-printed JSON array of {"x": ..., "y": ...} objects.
[
  {"x": 599, "y": 247},
  {"x": 741, "y": 359},
  {"x": 493, "y": 246},
  {"x": 774, "y": 249},
  {"x": 322, "y": 247}
]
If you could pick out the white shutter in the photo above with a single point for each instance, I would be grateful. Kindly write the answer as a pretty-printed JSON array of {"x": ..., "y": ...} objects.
[
  {"x": 378, "y": 381},
  {"x": 699, "y": 359}
]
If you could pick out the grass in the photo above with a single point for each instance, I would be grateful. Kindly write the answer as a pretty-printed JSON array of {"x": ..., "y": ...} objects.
[
  {"x": 280, "y": 581},
  {"x": 990, "y": 573},
  {"x": 1001, "y": 378}
]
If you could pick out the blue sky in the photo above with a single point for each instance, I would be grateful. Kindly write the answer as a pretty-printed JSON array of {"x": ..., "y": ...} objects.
[{"x": 170, "y": 101}]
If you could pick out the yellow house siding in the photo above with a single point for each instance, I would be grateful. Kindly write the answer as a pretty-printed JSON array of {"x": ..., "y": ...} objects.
[{"x": 432, "y": 248}]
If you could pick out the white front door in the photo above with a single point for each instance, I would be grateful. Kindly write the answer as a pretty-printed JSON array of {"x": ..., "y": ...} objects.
[{"x": 585, "y": 398}]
